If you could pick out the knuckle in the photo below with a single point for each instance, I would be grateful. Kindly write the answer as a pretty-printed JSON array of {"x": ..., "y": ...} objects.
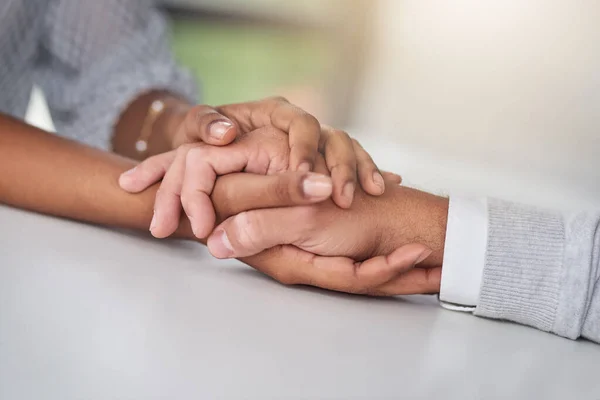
[
  {"x": 311, "y": 120},
  {"x": 196, "y": 154},
  {"x": 342, "y": 135},
  {"x": 278, "y": 100}
]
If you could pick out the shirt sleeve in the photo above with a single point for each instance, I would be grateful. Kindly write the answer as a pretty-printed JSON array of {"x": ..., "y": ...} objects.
[
  {"x": 543, "y": 269},
  {"x": 464, "y": 253},
  {"x": 97, "y": 56}
]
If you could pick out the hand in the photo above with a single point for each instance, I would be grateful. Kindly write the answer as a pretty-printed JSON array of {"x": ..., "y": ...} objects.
[
  {"x": 307, "y": 137},
  {"x": 383, "y": 275},
  {"x": 372, "y": 227},
  {"x": 191, "y": 170},
  {"x": 221, "y": 125}
]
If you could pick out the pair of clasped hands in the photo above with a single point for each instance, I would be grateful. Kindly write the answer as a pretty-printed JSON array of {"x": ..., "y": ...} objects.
[{"x": 265, "y": 182}]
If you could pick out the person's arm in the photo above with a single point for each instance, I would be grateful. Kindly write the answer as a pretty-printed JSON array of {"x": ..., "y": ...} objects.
[
  {"x": 47, "y": 174},
  {"x": 51, "y": 175},
  {"x": 99, "y": 60},
  {"x": 518, "y": 263},
  {"x": 112, "y": 82},
  {"x": 542, "y": 269}
]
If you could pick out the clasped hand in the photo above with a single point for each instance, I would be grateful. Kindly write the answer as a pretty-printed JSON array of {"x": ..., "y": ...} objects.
[{"x": 321, "y": 240}]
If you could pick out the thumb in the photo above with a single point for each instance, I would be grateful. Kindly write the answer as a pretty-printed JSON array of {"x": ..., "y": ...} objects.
[
  {"x": 205, "y": 124},
  {"x": 251, "y": 232},
  {"x": 239, "y": 192}
]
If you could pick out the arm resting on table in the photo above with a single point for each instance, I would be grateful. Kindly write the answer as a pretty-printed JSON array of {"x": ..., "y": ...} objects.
[
  {"x": 543, "y": 269},
  {"x": 48, "y": 174}
]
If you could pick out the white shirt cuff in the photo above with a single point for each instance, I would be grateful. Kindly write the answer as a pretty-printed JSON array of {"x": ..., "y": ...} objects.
[{"x": 464, "y": 253}]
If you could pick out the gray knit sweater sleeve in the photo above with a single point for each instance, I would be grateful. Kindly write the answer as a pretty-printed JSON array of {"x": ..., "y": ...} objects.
[
  {"x": 98, "y": 56},
  {"x": 543, "y": 269}
]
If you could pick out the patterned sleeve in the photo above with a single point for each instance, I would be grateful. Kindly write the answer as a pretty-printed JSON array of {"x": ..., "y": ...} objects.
[{"x": 97, "y": 57}]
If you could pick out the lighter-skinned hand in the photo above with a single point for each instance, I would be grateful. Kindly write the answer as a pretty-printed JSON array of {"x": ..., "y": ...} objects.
[{"x": 188, "y": 175}]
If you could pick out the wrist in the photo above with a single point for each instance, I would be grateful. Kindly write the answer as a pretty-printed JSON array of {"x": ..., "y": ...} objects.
[
  {"x": 413, "y": 216},
  {"x": 167, "y": 125},
  {"x": 157, "y": 132}
]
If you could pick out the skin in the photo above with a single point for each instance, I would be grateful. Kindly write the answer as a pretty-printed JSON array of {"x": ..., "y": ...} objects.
[
  {"x": 82, "y": 184},
  {"x": 182, "y": 126},
  {"x": 189, "y": 173},
  {"x": 372, "y": 227}
]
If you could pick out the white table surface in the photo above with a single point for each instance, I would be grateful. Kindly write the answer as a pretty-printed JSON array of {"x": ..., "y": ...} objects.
[{"x": 91, "y": 313}]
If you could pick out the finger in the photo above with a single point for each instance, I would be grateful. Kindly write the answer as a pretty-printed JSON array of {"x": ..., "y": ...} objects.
[
  {"x": 415, "y": 281},
  {"x": 236, "y": 193},
  {"x": 364, "y": 277},
  {"x": 251, "y": 232},
  {"x": 341, "y": 162},
  {"x": 205, "y": 163},
  {"x": 303, "y": 129},
  {"x": 167, "y": 204},
  {"x": 290, "y": 265},
  {"x": 202, "y": 165},
  {"x": 368, "y": 173},
  {"x": 391, "y": 177},
  {"x": 204, "y": 123},
  {"x": 146, "y": 173}
]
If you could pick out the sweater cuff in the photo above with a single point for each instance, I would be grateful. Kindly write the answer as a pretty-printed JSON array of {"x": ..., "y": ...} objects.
[{"x": 521, "y": 279}]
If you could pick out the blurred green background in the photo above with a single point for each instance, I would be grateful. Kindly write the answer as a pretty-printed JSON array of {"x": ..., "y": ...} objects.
[{"x": 241, "y": 62}]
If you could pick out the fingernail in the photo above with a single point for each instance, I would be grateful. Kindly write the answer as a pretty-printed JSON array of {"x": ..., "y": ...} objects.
[
  {"x": 317, "y": 186},
  {"x": 218, "y": 129},
  {"x": 378, "y": 179},
  {"x": 304, "y": 167},
  {"x": 424, "y": 254},
  {"x": 153, "y": 222},
  {"x": 348, "y": 191},
  {"x": 219, "y": 245}
]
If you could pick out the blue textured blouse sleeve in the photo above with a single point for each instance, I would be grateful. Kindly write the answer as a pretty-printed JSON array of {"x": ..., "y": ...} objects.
[{"x": 97, "y": 57}]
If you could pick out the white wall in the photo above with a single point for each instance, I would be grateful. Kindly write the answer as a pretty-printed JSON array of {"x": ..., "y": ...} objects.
[{"x": 510, "y": 84}]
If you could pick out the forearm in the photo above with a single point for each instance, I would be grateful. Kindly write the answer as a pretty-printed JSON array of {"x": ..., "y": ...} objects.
[
  {"x": 51, "y": 175},
  {"x": 129, "y": 127}
]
